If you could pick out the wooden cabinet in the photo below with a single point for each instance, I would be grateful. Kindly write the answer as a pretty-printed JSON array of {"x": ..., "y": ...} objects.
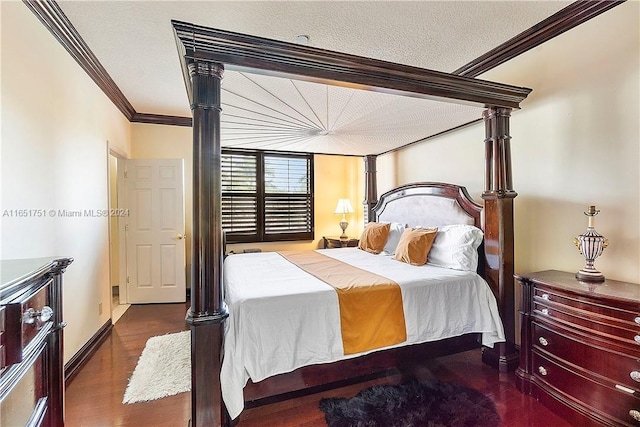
[
  {"x": 31, "y": 359},
  {"x": 580, "y": 347},
  {"x": 339, "y": 242}
]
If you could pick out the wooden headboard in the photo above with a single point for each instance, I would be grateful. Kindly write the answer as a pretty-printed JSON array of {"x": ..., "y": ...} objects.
[
  {"x": 432, "y": 204},
  {"x": 428, "y": 204}
]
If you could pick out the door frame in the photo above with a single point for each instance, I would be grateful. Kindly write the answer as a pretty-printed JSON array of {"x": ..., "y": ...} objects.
[{"x": 116, "y": 152}]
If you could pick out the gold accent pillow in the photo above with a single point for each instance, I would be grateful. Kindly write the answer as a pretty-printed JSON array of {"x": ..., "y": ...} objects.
[
  {"x": 415, "y": 244},
  {"x": 374, "y": 237}
]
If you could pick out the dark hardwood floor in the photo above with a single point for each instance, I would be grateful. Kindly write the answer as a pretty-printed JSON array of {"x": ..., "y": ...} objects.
[{"x": 94, "y": 397}]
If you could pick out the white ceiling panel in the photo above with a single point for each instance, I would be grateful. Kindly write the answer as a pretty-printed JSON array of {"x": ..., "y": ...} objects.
[{"x": 282, "y": 114}]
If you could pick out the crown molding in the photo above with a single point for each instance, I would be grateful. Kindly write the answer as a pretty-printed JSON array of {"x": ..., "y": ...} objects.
[
  {"x": 54, "y": 19},
  {"x": 571, "y": 16}
]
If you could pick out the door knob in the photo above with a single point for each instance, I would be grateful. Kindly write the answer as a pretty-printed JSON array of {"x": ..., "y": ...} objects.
[{"x": 182, "y": 236}]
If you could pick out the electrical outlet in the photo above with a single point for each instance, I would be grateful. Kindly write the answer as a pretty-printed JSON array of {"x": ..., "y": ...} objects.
[{"x": 99, "y": 308}]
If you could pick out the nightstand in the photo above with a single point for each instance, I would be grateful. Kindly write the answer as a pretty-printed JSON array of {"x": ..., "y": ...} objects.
[{"x": 331, "y": 242}]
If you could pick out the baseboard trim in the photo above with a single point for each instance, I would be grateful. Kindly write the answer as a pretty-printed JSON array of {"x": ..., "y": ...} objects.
[{"x": 72, "y": 367}]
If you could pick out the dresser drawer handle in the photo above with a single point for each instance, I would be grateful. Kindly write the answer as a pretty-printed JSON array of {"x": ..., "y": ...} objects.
[
  {"x": 30, "y": 316},
  {"x": 635, "y": 375},
  {"x": 542, "y": 370},
  {"x": 637, "y": 320},
  {"x": 637, "y": 339},
  {"x": 545, "y": 311},
  {"x": 543, "y": 341},
  {"x": 635, "y": 414},
  {"x": 545, "y": 297},
  {"x": 625, "y": 389}
]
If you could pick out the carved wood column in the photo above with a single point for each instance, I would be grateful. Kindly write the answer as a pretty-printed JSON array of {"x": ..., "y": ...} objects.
[
  {"x": 370, "y": 188},
  {"x": 498, "y": 198},
  {"x": 55, "y": 412},
  {"x": 524, "y": 373},
  {"x": 208, "y": 312}
]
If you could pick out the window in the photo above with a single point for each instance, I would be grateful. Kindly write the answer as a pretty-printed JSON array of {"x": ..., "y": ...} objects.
[{"x": 267, "y": 196}]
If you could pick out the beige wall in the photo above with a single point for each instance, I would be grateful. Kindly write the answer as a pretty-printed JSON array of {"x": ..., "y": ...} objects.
[
  {"x": 575, "y": 142},
  {"x": 55, "y": 128},
  {"x": 335, "y": 177}
]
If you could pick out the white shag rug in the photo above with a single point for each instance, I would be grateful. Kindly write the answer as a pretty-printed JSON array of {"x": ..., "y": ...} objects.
[{"x": 164, "y": 369}]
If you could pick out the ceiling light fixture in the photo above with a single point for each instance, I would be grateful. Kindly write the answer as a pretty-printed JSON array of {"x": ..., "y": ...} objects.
[{"x": 301, "y": 39}]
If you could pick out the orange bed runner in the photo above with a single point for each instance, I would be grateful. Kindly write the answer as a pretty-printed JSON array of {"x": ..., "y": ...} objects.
[{"x": 371, "y": 313}]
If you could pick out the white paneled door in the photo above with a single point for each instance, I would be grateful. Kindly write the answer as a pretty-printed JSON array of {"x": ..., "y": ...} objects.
[{"x": 155, "y": 230}]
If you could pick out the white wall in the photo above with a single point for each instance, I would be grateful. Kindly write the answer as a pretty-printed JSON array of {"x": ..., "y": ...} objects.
[
  {"x": 55, "y": 126},
  {"x": 575, "y": 142}
]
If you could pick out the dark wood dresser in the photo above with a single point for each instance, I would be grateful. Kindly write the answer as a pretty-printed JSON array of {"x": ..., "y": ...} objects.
[
  {"x": 580, "y": 347},
  {"x": 31, "y": 352}
]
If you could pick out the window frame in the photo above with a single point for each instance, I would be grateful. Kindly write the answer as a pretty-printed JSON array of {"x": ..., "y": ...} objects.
[{"x": 261, "y": 197}]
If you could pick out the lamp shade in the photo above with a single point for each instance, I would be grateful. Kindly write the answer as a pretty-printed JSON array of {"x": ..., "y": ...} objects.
[{"x": 344, "y": 207}]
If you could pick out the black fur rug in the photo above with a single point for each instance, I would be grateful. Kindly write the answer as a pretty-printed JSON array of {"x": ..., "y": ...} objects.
[{"x": 414, "y": 404}]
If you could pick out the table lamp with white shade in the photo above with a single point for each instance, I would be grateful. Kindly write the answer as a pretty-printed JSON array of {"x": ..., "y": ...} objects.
[{"x": 344, "y": 207}]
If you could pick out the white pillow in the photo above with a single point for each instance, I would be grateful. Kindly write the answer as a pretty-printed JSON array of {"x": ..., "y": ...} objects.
[
  {"x": 395, "y": 233},
  {"x": 456, "y": 247}
]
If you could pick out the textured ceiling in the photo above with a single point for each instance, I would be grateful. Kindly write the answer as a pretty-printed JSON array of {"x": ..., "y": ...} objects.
[{"x": 134, "y": 42}]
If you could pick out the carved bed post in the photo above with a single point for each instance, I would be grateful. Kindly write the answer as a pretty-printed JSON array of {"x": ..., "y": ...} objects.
[
  {"x": 208, "y": 312},
  {"x": 498, "y": 198},
  {"x": 370, "y": 188}
]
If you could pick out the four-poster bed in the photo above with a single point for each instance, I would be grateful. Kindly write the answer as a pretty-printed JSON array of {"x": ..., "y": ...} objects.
[
  {"x": 204, "y": 54},
  {"x": 284, "y": 327}
]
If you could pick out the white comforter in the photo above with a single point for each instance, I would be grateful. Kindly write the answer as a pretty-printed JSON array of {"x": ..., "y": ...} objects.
[{"x": 281, "y": 318}]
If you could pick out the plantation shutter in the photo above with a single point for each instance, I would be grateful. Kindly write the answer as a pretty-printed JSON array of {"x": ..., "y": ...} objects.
[
  {"x": 266, "y": 196},
  {"x": 287, "y": 197},
  {"x": 239, "y": 196}
]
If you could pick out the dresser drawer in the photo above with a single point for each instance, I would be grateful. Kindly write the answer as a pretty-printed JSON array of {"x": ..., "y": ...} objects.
[
  {"x": 23, "y": 402},
  {"x": 550, "y": 307},
  {"x": 592, "y": 395},
  {"x": 25, "y": 317},
  {"x": 589, "y": 307},
  {"x": 32, "y": 382},
  {"x": 593, "y": 355}
]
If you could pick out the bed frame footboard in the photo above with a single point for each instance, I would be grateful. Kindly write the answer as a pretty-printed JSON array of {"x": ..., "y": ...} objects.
[{"x": 316, "y": 378}]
